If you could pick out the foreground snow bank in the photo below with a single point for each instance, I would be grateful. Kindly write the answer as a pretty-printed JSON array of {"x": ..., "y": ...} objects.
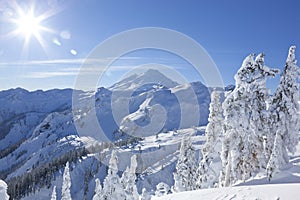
[
  {"x": 271, "y": 191},
  {"x": 3, "y": 188}
]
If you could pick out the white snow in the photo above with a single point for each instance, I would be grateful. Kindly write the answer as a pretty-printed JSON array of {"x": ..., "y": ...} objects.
[
  {"x": 3, "y": 188},
  {"x": 264, "y": 192},
  {"x": 285, "y": 185},
  {"x": 150, "y": 77},
  {"x": 47, "y": 128}
]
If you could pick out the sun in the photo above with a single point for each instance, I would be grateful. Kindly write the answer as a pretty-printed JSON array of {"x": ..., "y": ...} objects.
[{"x": 28, "y": 25}]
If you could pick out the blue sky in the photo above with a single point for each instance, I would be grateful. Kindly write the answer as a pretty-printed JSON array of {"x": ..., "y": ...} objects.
[{"x": 228, "y": 30}]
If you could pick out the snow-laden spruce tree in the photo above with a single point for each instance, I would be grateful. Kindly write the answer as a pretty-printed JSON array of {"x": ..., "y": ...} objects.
[
  {"x": 145, "y": 195},
  {"x": 66, "y": 185},
  {"x": 185, "y": 176},
  {"x": 245, "y": 114},
  {"x": 235, "y": 148},
  {"x": 3, "y": 191},
  {"x": 53, "y": 195},
  {"x": 98, "y": 190},
  {"x": 276, "y": 159},
  {"x": 285, "y": 115},
  {"x": 112, "y": 188},
  {"x": 162, "y": 189},
  {"x": 211, "y": 165},
  {"x": 260, "y": 116},
  {"x": 128, "y": 180}
]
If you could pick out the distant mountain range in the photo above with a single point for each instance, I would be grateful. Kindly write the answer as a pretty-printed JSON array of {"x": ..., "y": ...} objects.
[{"x": 38, "y": 133}]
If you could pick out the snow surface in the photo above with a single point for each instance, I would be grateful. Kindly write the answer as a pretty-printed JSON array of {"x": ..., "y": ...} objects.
[
  {"x": 285, "y": 185},
  {"x": 3, "y": 187},
  {"x": 256, "y": 192},
  {"x": 159, "y": 154},
  {"x": 148, "y": 78}
]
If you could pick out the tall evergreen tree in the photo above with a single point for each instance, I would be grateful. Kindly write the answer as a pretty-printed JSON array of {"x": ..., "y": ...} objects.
[
  {"x": 285, "y": 115},
  {"x": 237, "y": 127},
  {"x": 53, "y": 196},
  {"x": 98, "y": 191},
  {"x": 3, "y": 191},
  {"x": 112, "y": 187},
  {"x": 276, "y": 159},
  {"x": 245, "y": 115},
  {"x": 145, "y": 195},
  {"x": 210, "y": 165},
  {"x": 128, "y": 180},
  {"x": 186, "y": 170},
  {"x": 65, "y": 192},
  {"x": 260, "y": 116}
]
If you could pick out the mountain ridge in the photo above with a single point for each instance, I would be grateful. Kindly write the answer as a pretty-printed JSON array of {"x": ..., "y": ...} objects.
[{"x": 38, "y": 132}]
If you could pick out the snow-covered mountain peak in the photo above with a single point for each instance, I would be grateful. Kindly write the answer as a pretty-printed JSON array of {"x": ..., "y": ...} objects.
[{"x": 149, "y": 77}]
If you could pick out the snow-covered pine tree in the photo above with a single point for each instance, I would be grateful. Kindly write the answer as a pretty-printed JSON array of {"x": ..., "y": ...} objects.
[
  {"x": 112, "y": 188},
  {"x": 145, "y": 195},
  {"x": 285, "y": 115},
  {"x": 162, "y": 189},
  {"x": 98, "y": 190},
  {"x": 128, "y": 180},
  {"x": 260, "y": 117},
  {"x": 276, "y": 159},
  {"x": 3, "y": 191},
  {"x": 245, "y": 112},
  {"x": 65, "y": 192},
  {"x": 53, "y": 195},
  {"x": 237, "y": 127},
  {"x": 185, "y": 175},
  {"x": 211, "y": 165}
]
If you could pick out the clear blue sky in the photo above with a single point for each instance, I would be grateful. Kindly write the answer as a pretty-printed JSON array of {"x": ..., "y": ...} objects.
[{"x": 229, "y": 30}]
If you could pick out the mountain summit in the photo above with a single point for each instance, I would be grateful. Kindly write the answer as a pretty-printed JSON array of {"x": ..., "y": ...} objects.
[{"x": 149, "y": 77}]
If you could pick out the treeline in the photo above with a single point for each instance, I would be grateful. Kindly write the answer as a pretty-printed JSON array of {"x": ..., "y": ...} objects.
[{"x": 41, "y": 176}]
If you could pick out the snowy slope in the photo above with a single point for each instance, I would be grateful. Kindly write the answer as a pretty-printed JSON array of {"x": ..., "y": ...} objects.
[
  {"x": 284, "y": 185},
  {"x": 153, "y": 170},
  {"x": 264, "y": 192},
  {"x": 18, "y": 101},
  {"x": 146, "y": 95},
  {"x": 44, "y": 144},
  {"x": 163, "y": 107},
  {"x": 21, "y": 111}
]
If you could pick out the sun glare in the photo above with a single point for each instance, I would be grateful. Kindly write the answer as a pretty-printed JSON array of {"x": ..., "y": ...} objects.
[{"x": 28, "y": 25}]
